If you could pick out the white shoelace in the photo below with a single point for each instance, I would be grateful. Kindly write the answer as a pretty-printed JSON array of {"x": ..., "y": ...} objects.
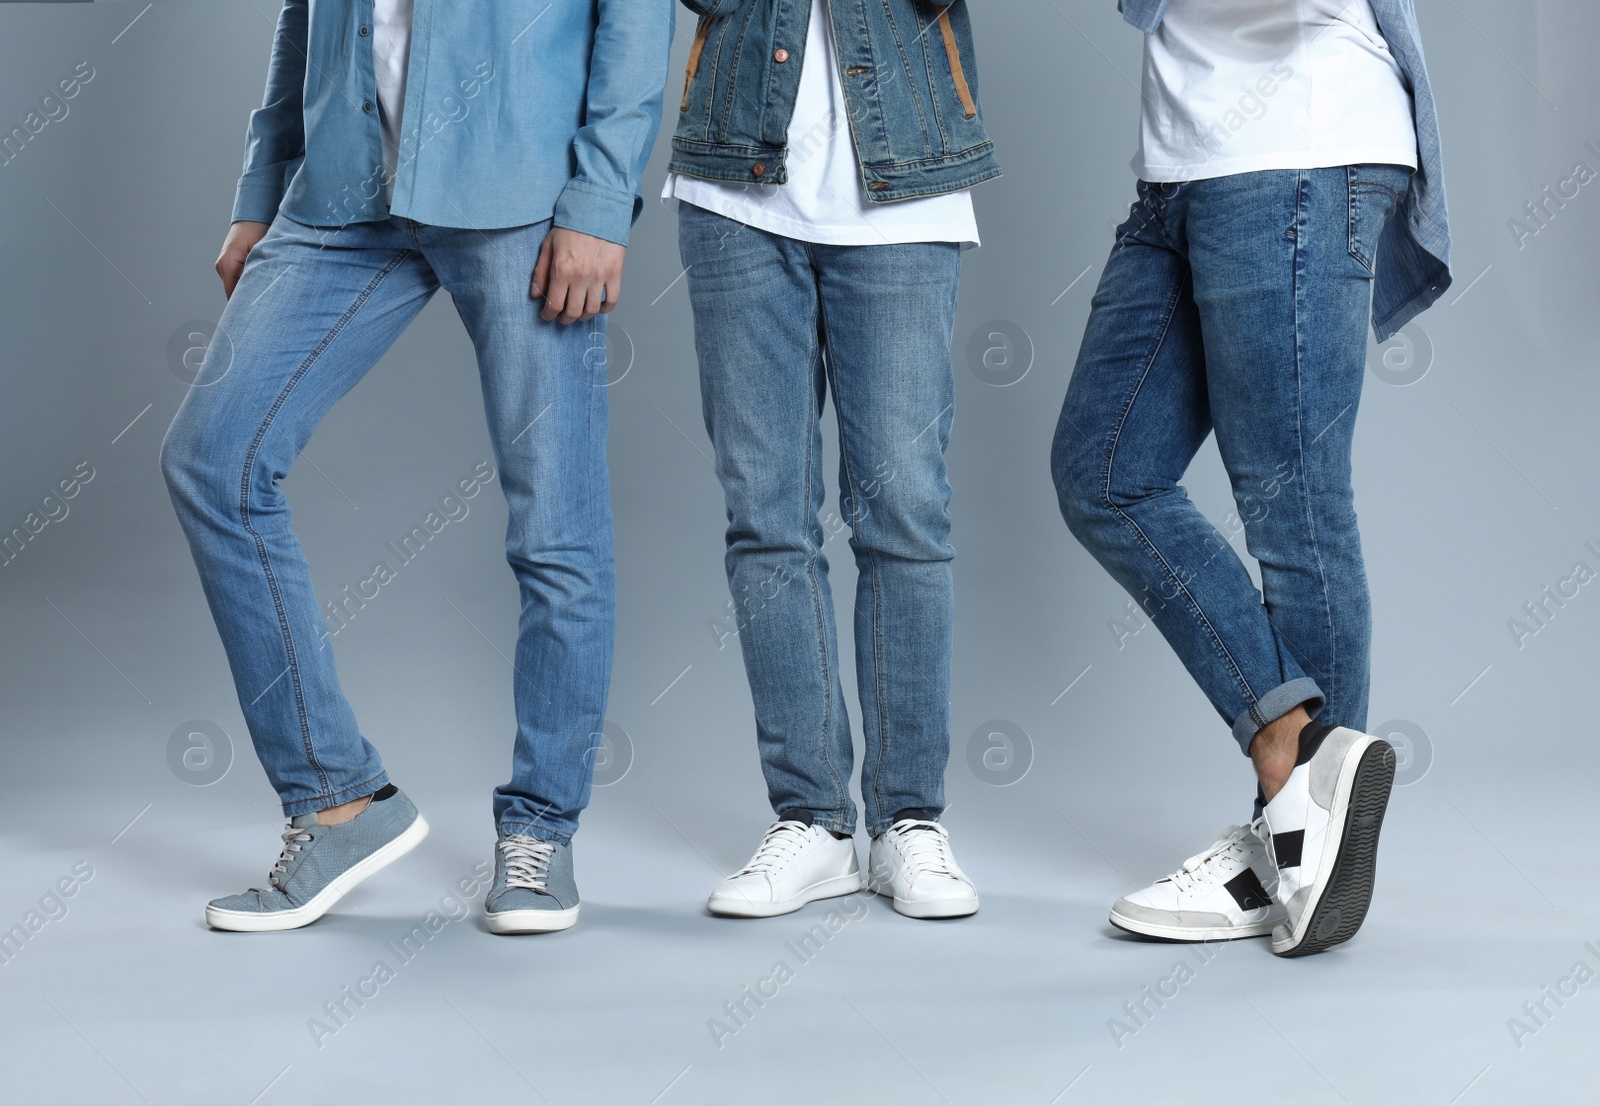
[
  {"x": 777, "y": 848},
  {"x": 292, "y": 840},
  {"x": 527, "y": 861},
  {"x": 926, "y": 848},
  {"x": 1206, "y": 867}
]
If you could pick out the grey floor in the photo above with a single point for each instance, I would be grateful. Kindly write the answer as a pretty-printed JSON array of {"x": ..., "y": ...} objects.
[{"x": 125, "y": 996}]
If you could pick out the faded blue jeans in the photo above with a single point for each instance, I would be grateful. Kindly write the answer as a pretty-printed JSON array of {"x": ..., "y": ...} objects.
[
  {"x": 1239, "y": 306},
  {"x": 779, "y": 322},
  {"x": 314, "y": 311}
]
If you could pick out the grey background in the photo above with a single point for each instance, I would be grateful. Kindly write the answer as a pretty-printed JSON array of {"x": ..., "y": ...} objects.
[{"x": 1476, "y": 484}]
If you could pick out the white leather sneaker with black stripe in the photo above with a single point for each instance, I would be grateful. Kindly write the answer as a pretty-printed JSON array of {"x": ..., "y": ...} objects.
[
  {"x": 1220, "y": 894},
  {"x": 1324, "y": 828}
]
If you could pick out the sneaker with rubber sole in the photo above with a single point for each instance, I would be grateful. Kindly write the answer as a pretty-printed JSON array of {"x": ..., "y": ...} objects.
[
  {"x": 911, "y": 863},
  {"x": 1324, "y": 836},
  {"x": 796, "y": 863},
  {"x": 320, "y": 864},
  {"x": 534, "y": 890},
  {"x": 1221, "y": 894}
]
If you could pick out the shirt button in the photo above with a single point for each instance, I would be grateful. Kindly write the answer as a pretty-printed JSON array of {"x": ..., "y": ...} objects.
[
  {"x": 758, "y": 169},
  {"x": 367, "y": 106},
  {"x": 780, "y": 55},
  {"x": 363, "y": 32}
]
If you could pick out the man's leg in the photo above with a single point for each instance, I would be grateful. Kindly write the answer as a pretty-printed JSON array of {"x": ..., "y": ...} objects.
[
  {"x": 887, "y": 316},
  {"x": 1135, "y": 414},
  {"x": 754, "y": 296},
  {"x": 544, "y": 394},
  {"x": 313, "y": 312},
  {"x": 1286, "y": 346},
  {"x": 887, "y": 313},
  {"x": 546, "y": 402},
  {"x": 1283, "y": 278}
]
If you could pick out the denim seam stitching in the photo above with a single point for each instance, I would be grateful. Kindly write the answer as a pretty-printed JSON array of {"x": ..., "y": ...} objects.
[
  {"x": 830, "y": 677},
  {"x": 905, "y": 65},
  {"x": 933, "y": 88},
  {"x": 1144, "y": 540},
  {"x": 262, "y": 556},
  {"x": 1300, "y": 438},
  {"x": 847, "y": 477}
]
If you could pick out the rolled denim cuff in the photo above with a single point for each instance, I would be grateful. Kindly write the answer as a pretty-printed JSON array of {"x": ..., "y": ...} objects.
[{"x": 1274, "y": 705}]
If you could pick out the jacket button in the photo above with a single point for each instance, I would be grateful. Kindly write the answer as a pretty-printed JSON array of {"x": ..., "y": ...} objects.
[
  {"x": 367, "y": 106},
  {"x": 759, "y": 169},
  {"x": 363, "y": 32},
  {"x": 780, "y": 55}
]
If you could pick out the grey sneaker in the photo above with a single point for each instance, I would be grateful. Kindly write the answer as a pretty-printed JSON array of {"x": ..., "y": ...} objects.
[
  {"x": 319, "y": 865},
  {"x": 533, "y": 891}
]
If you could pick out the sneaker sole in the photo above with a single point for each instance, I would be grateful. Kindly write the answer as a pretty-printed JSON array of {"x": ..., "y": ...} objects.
[
  {"x": 1190, "y": 933},
  {"x": 531, "y": 921},
  {"x": 937, "y": 908},
  {"x": 1339, "y": 906},
  {"x": 240, "y": 921},
  {"x": 733, "y": 907}
]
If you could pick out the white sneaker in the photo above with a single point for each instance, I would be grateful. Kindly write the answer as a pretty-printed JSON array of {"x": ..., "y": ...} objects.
[
  {"x": 911, "y": 862},
  {"x": 796, "y": 863},
  {"x": 1220, "y": 894},
  {"x": 1325, "y": 825}
]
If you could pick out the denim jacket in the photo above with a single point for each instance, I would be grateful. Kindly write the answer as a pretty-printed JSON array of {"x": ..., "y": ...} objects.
[
  {"x": 515, "y": 110},
  {"x": 1414, "y": 252},
  {"x": 910, "y": 80}
]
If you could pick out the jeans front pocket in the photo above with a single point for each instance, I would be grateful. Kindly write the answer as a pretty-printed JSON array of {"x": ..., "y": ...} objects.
[{"x": 1376, "y": 192}]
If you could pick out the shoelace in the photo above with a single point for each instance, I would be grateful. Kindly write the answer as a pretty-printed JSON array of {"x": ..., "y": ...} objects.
[
  {"x": 527, "y": 861},
  {"x": 1206, "y": 867},
  {"x": 292, "y": 840},
  {"x": 926, "y": 847},
  {"x": 782, "y": 841}
]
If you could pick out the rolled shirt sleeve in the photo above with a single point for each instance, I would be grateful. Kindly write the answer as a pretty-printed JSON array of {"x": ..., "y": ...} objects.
[{"x": 627, "y": 75}]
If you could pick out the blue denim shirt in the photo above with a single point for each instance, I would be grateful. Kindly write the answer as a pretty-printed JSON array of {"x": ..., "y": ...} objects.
[
  {"x": 515, "y": 110},
  {"x": 1414, "y": 252},
  {"x": 910, "y": 81}
]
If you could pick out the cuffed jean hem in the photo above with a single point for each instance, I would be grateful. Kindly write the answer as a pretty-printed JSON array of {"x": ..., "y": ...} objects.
[
  {"x": 323, "y": 802},
  {"x": 1274, "y": 705},
  {"x": 535, "y": 830}
]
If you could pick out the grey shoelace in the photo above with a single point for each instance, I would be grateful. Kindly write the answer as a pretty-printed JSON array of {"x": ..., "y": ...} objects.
[
  {"x": 292, "y": 840},
  {"x": 527, "y": 861}
]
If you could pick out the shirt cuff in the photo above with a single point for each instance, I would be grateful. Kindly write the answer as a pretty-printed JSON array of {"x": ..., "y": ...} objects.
[
  {"x": 600, "y": 212},
  {"x": 257, "y": 200}
]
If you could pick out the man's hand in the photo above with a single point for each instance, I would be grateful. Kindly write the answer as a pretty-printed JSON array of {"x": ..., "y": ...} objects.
[
  {"x": 242, "y": 238},
  {"x": 578, "y": 276}
]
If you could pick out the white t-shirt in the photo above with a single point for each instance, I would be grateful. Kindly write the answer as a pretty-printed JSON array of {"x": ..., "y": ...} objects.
[
  {"x": 1240, "y": 86},
  {"x": 391, "y": 56},
  {"x": 825, "y": 200}
]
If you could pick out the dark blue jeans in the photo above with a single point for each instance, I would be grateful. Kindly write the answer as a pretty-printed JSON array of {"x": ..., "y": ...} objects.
[
  {"x": 1239, "y": 306},
  {"x": 779, "y": 322}
]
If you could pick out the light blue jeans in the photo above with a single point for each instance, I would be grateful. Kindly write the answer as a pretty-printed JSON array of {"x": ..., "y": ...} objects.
[
  {"x": 778, "y": 322},
  {"x": 1237, "y": 306},
  {"x": 314, "y": 311}
]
